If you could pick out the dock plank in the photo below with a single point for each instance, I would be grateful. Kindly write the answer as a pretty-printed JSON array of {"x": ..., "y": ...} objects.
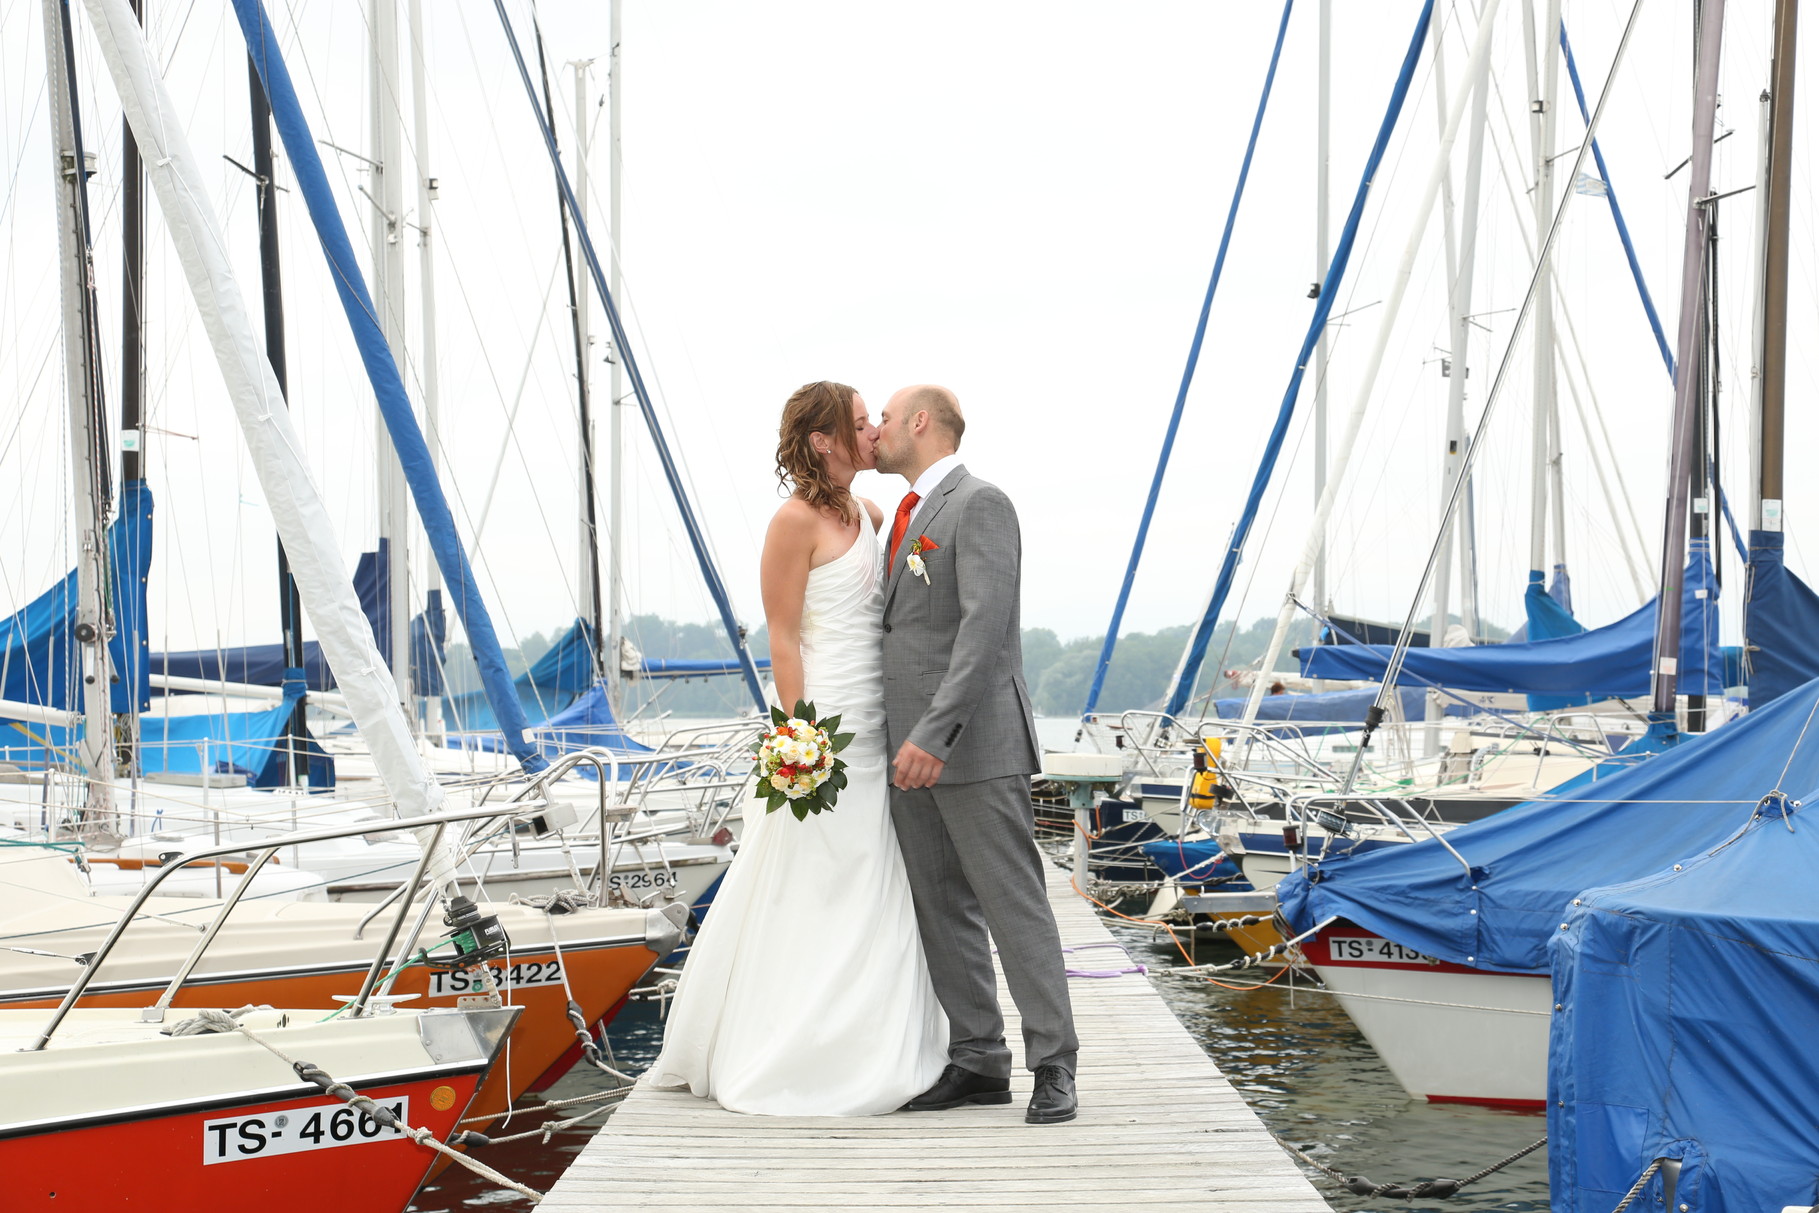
[{"x": 1159, "y": 1126}]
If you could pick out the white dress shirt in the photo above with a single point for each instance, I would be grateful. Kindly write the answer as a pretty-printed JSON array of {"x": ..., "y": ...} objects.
[{"x": 926, "y": 483}]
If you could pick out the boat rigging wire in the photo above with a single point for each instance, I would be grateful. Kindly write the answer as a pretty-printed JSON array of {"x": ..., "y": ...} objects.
[
  {"x": 1463, "y": 477},
  {"x": 697, "y": 535},
  {"x": 1187, "y": 374},
  {"x": 1191, "y": 658}
]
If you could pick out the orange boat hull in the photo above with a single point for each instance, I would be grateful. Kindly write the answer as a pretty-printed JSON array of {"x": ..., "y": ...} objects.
[
  {"x": 600, "y": 977},
  {"x": 323, "y": 1155}
]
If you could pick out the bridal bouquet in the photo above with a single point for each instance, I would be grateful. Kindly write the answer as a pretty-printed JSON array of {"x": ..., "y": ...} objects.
[{"x": 796, "y": 763}]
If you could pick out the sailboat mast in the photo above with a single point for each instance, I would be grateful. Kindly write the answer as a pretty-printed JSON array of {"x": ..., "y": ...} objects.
[
  {"x": 1460, "y": 314},
  {"x": 135, "y": 651},
  {"x": 91, "y": 477},
  {"x": 590, "y": 526},
  {"x": 1541, "y": 89},
  {"x": 290, "y": 603},
  {"x": 1323, "y": 255},
  {"x": 1773, "y": 357},
  {"x": 132, "y": 294},
  {"x": 1686, "y": 361},
  {"x": 387, "y": 197},
  {"x": 426, "y": 274},
  {"x": 615, "y": 411}
]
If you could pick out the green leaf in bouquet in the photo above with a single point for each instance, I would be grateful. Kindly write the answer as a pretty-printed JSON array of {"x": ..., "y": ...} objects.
[
  {"x": 837, "y": 780},
  {"x": 800, "y": 809},
  {"x": 777, "y": 716},
  {"x": 774, "y": 800},
  {"x": 804, "y": 710},
  {"x": 841, "y": 740},
  {"x": 830, "y": 724}
]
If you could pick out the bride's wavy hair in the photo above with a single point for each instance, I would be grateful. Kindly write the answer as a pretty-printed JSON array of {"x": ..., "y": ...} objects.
[{"x": 823, "y": 407}]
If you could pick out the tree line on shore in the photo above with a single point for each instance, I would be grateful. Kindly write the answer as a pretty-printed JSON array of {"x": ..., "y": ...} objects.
[{"x": 1058, "y": 671}]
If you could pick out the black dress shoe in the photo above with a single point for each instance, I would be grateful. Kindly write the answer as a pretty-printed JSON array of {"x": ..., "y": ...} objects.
[
  {"x": 1054, "y": 1101},
  {"x": 959, "y": 1085}
]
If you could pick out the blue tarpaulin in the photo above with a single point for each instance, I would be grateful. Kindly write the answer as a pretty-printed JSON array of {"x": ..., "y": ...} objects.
[
  {"x": 550, "y": 685},
  {"x": 38, "y": 659},
  {"x": 1685, "y": 1028},
  {"x": 588, "y": 721},
  {"x": 1528, "y": 862},
  {"x": 1199, "y": 859},
  {"x": 245, "y": 743},
  {"x": 681, "y": 667},
  {"x": 1328, "y": 707},
  {"x": 1607, "y": 662},
  {"x": 1780, "y": 623},
  {"x": 1549, "y": 617},
  {"x": 263, "y": 664}
]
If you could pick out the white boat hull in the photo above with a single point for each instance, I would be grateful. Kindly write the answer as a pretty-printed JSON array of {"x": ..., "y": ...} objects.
[{"x": 1450, "y": 1034}]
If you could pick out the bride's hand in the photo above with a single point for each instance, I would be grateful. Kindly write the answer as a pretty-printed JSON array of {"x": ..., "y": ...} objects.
[{"x": 915, "y": 767}]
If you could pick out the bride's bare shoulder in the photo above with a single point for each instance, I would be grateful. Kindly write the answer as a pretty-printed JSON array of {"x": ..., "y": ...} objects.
[
  {"x": 873, "y": 511},
  {"x": 794, "y": 524}
]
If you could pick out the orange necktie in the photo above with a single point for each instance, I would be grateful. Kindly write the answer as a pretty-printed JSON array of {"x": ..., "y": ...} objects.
[{"x": 905, "y": 508}]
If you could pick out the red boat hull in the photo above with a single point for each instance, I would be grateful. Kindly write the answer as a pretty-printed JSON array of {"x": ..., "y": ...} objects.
[{"x": 236, "y": 1155}]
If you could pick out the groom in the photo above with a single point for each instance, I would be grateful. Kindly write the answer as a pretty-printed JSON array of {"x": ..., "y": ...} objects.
[{"x": 958, "y": 717}]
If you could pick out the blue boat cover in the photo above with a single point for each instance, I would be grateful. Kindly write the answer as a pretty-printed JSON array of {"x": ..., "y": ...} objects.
[
  {"x": 38, "y": 658},
  {"x": 680, "y": 667},
  {"x": 1780, "y": 623},
  {"x": 1607, "y": 662},
  {"x": 550, "y": 685},
  {"x": 244, "y": 743},
  {"x": 588, "y": 721},
  {"x": 1548, "y": 617},
  {"x": 1198, "y": 859},
  {"x": 1528, "y": 862},
  {"x": 1328, "y": 707},
  {"x": 263, "y": 664},
  {"x": 1686, "y": 1028}
]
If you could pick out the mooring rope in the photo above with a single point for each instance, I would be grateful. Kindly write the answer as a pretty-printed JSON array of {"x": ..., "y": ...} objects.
[
  {"x": 590, "y": 1051},
  {"x": 1358, "y": 1185},
  {"x": 1648, "y": 1173},
  {"x": 210, "y": 1020},
  {"x": 549, "y": 1128}
]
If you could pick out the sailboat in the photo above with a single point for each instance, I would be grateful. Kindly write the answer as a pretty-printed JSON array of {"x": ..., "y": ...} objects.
[{"x": 1449, "y": 974}]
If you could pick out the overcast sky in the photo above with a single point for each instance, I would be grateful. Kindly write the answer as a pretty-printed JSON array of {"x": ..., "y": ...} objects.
[{"x": 1019, "y": 200}]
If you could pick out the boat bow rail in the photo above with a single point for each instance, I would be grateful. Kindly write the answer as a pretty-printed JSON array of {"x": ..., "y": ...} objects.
[{"x": 177, "y": 861}]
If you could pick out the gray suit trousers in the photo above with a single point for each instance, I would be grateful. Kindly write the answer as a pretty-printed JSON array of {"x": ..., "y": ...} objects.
[{"x": 976, "y": 876}]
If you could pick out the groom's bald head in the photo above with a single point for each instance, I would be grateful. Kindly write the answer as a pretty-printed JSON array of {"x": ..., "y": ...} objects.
[
  {"x": 920, "y": 425},
  {"x": 942, "y": 407}
]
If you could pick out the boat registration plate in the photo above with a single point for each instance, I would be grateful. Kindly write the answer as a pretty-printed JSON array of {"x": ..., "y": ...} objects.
[
  {"x": 296, "y": 1131},
  {"x": 1373, "y": 947},
  {"x": 629, "y": 881},
  {"x": 517, "y": 976}
]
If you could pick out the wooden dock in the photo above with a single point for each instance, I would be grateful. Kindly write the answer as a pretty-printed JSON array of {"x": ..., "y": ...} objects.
[{"x": 1159, "y": 1125}]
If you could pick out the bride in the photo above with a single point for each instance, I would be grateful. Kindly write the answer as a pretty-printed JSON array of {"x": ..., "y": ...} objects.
[{"x": 806, "y": 992}]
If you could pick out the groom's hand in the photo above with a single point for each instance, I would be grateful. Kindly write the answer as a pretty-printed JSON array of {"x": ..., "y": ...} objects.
[{"x": 915, "y": 767}]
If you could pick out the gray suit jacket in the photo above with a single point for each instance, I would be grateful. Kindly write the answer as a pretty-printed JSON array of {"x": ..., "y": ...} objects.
[{"x": 953, "y": 650}]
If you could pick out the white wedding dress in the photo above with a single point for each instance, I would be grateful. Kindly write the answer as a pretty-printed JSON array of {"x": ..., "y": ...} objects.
[{"x": 806, "y": 992}]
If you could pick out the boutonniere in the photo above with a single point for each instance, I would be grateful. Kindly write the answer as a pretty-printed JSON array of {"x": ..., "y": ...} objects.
[{"x": 916, "y": 564}]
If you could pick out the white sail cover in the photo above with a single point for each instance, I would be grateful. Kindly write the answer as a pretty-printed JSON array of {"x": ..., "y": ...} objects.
[{"x": 296, "y": 504}]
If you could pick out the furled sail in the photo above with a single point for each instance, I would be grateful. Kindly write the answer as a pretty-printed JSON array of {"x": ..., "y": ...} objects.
[{"x": 301, "y": 516}]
